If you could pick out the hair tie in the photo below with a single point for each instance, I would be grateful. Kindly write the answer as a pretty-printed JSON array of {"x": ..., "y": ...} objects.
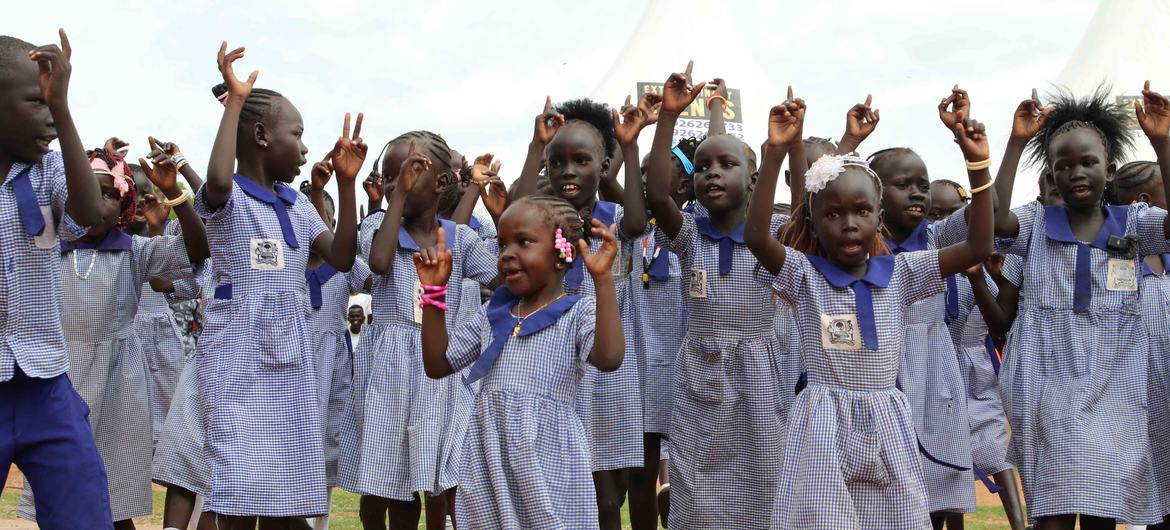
[
  {"x": 222, "y": 98},
  {"x": 682, "y": 158},
  {"x": 563, "y": 245}
]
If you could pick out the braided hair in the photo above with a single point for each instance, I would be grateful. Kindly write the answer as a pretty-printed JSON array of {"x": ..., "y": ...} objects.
[
  {"x": 963, "y": 195},
  {"x": 1095, "y": 112},
  {"x": 129, "y": 199},
  {"x": 558, "y": 213},
  {"x": 259, "y": 105},
  {"x": 1131, "y": 176}
]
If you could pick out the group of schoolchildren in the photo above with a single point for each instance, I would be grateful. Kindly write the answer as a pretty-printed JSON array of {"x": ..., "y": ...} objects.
[{"x": 856, "y": 361}]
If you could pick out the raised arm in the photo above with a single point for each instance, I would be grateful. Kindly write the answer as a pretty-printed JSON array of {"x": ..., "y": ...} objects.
[
  {"x": 1027, "y": 119},
  {"x": 374, "y": 188},
  {"x": 164, "y": 176},
  {"x": 677, "y": 95},
  {"x": 547, "y": 124},
  {"x": 1154, "y": 118},
  {"x": 716, "y": 105},
  {"x": 85, "y": 198},
  {"x": 194, "y": 181},
  {"x": 996, "y": 316},
  {"x": 386, "y": 240},
  {"x": 485, "y": 176},
  {"x": 319, "y": 176},
  {"x": 860, "y": 122},
  {"x": 609, "y": 343},
  {"x": 785, "y": 128},
  {"x": 222, "y": 165},
  {"x": 627, "y": 126},
  {"x": 339, "y": 248},
  {"x": 434, "y": 269},
  {"x": 954, "y": 259}
]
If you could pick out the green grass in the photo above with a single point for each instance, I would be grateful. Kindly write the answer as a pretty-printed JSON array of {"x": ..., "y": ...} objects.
[{"x": 345, "y": 507}]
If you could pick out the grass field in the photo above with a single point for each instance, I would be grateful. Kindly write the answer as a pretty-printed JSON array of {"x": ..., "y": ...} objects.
[{"x": 345, "y": 506}]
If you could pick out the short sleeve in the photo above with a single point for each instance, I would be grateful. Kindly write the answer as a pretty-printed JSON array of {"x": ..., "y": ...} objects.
[
  {"x": 789, "y": 283},
  {"x": 1151, "y": 231},
  {"x": 1013, "y": 270},
  {"x": 682, "y": 243},
  {"x": 585, "y": 320},
  {"x": 951, "y": 230},
  {"x": 1028, "y": 215},
  {"x": 358, "y": 275},
  {"x": 776, "y": 223},
  {"x": 367, "y": 232},
  {"x": 162, "y": 257},
  {"x": 479, "y": 264},
  {"x": 204, "y": 211},
  {"x": 313, "y": 224},
  {"x": 618, "y": 216},
  {"x": 487, "y": 226},
  {"x": 190, "y": 288},
  {"x": 67, "y": 228},
  {"x": 917, "y": 276},
  {"x": 466, "y": 343}
]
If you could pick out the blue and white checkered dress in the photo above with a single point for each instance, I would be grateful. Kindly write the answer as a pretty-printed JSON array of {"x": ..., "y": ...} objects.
[
  {"x": 933, "y": 383},
  {"x": 989, "y": 436},
  {"x": 1155, "y": 291},
  {"x": 329, "y": 329},
  {"x": 257, "y": 373},
  {"x": 107, "y": 365},
  {"x": 610, "y": 402},
  {"x": 730, "y": 390},
  {"x": 1074, "y": 382},
  {"x": 162, "y": 343},
  {"x": 399, "y": 431},
  {"x": 179, "y": 458},
  {"x": 654, "y": 321},
  {"x": 526, "y": 461},
  {"x": 851, "y": 455}
]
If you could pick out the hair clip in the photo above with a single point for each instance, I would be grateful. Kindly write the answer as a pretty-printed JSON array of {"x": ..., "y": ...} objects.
[{"x": 563, "y": 245}]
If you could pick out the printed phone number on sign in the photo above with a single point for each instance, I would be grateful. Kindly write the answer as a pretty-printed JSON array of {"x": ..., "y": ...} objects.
[{"x": 698, "y": 129}]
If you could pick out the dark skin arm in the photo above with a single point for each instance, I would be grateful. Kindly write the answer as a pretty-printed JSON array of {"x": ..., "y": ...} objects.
[
  {"x": 716, "y": 103},
  {"x": 1154, "y": 117},
  {"x": 610, "y": 190},
  {"x": 860, "y": 122},
  {"x": 485, "y": 177},
  {"x": 386, "y": 240},
  {"x": 85, "y": 196},
  {"x": 222, "y": 165},
  {"x": 972, "y": 140},
  {"x": 164, "y": 176},
  {"x": 156, "y": 221},
  {"x": 319, "y": 176},
  {"x": 998, "y": 318},
  {"x": 785, "y": 129},
  {"x": 1027, "y": 119},
  {"x": 194, "y": 181},
  {"x": 627, "y": 127},
  {"x": 466, "y": 205},
  {"x": 374, "y": 189},
  {"x": 677, "y": 95},
  {"x": 609, "y": 342},
  {"x": 434, "y": 268},
  {"x": 547, "y": 124},
  {"x": 349, "y": 153}
]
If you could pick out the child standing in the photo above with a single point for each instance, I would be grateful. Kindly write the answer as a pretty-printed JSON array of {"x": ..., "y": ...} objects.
[
  {"x": 527, "y": 463},
  {"x": 851, "y": 455},
  {"x": 263, "y": 424}
]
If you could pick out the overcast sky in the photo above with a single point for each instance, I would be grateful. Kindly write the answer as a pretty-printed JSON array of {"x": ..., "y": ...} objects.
[{"x": 477, "y": 72}]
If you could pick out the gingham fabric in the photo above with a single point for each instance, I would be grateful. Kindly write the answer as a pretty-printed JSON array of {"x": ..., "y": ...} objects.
[
  {"x": 329, "y": 330},
  {"x": 851, "y": 455},
  {"x": 932, "y": 381},
  {"x": 989, "y": 434},
  {"x": 1074, "y": 384},
  {"x": 729, "y": 410},
  {"x": 610, "y": 403},
  {"x": 526, "y": 460},
  {"x": 396, "y": 437},
  {"x": 161, "y": 341},
  {"x": 1155, "y": 291},
  {"x": 179, "y": 458},
  {"x": 257, "y": 375},
  {"x": 30, "y": 274},
  {"x": 107, "y": 364}
]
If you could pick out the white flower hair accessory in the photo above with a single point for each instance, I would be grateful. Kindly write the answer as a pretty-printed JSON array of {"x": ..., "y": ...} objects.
[{"x": 828, "y": 167}]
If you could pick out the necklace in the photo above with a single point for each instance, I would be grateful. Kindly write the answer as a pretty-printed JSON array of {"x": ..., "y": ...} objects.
[
  {"x": 77, "y": 272},
  {"x": 520, "y": 319}
]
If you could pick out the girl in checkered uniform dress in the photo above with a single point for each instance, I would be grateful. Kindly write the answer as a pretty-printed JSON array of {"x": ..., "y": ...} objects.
[{"x": 851, "y": 457}]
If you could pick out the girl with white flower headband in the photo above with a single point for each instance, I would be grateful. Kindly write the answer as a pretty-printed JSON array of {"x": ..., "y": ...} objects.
[
  {"x": 727, "y": 418},
  {"x": 851, "y": 458}
]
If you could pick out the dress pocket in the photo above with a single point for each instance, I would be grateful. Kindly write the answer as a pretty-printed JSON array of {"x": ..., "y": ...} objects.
[
  {"x": 706, "y": 374},
  {"x": 861, "y": 458},
  {"x": 279, "y": 347}
]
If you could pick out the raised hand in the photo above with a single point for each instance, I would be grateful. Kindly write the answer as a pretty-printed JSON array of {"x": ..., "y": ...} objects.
[
  {"x": 629, "y": 123},
  {"x": 412, "y": 169},
  {"x": 600, "y": 263},
  {"x": 321, "y": 173},
  {"x": 547, "y": 123},
  {"x": 1028, "y": 118},
  {"x": 972, "y": 139},
  {"x": 374, "y": 187},
  {"x": 861, "y": 120},
  {"x": 954, "y": 108},
  {"x": 650, "y": 104},
  {"x": 53, "y": 62},
  {"x": 116, "y": 145},
  {"x": 678, "y": 93},
  {"x": 484, "y": 168},
  {"x": 994, "y": 264},
  {"x": 236, "y": 88},
  {"x": 1154, "y": 115},
  {"x": 349, "y": 153},
  {"x": 718, "y": 91},
  {"x": 434, "y": 264},
  {"x": 155, "y": 212},
  {"x": 164, "y": 174},
  {"x": 786, "y": 122}
]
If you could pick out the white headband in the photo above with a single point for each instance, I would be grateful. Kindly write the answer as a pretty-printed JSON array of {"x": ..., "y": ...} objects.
[{"x": 828, "y": 167}]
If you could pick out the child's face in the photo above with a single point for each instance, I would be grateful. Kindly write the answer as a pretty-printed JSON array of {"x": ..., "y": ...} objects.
[
  {"x": 28, "y": 127},
  {"x": 331, "y": 213},
  {"x": 722, "y": 177},
  {"x": 111, "y": 207},
  {"x": 944, "y": 201},
  {"x": 845, "y": 217},
  {"x": 143, "y": 186},
  {"x": 356, "y": 317},
  {"x": 285, "y": 153},
  {"x": 681, "y": 190},
  {"x": 1080, "y": 167},
  {"x": 905, "y": 190},
  {"x": 431, "y": 183},
  {"x": 528, "y": 258},
  {"x": 1151, "y": 192},
  {"x": 576, "y": 161}
]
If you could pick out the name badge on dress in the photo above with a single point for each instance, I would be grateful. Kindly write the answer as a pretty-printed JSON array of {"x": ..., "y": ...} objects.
[
  {"x": 48, "y": 239},
  {"x": 266, "y": 254},
  {"x": 840, "y": 332},
  {"x": 1122, "y": 275},
  {"x": 697, "y": 284},
  {"x": 418, "y": 312}
]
